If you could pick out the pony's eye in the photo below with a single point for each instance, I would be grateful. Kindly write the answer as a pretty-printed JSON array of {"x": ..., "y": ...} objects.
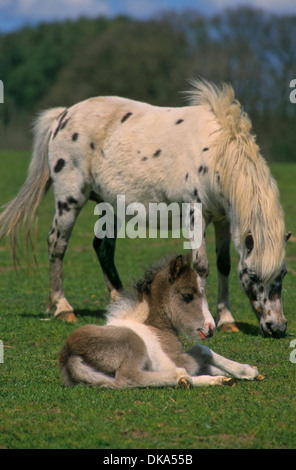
[
  {"x": 187, "y": 298},
  {"x": 254, "y": 278}
]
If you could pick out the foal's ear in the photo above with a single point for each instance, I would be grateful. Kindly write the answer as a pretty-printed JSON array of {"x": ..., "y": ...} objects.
[
  {"x": 288, "y": 236},
  {"x": 175, "y": 267},
  {"x": 187, "y": 258}
]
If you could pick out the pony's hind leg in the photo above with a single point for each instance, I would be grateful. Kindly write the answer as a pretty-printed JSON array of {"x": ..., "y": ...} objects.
[
  {"x": 67, "y": 210},
  {"x": 224, "y": 319}
]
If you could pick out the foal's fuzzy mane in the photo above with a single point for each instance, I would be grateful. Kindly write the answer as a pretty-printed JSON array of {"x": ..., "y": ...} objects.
[
  {"x": 142, "y": 285},
  {"x": 246, "y": 180},
  {"x": 133, "y": 305}
]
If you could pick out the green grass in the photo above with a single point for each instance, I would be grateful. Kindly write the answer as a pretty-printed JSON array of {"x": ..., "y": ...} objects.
[{"x": 36, "y": 411}]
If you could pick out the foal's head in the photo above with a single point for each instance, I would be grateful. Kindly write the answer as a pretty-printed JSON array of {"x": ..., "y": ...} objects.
[{"x": 176, "y": 297}]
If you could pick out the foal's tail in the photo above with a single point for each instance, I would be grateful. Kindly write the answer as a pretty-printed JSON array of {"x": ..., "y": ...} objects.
[{"x": 23, "y": 208}]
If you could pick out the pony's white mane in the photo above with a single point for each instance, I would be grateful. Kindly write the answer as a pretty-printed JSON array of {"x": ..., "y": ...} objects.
[{"x": 245, "y": 178}]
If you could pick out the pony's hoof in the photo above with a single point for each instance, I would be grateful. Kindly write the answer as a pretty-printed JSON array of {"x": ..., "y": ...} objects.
[
  {"x": 228, "y": 327},
  {"x": 68, "y": 317},
  {"x": 184, "y": 383},
  {"x": 259, "y": 377},
  {"x": 229, "y": 381}
]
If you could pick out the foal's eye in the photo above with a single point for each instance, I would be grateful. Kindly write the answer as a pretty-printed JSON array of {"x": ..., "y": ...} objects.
[{"x": 187, "y": 298}]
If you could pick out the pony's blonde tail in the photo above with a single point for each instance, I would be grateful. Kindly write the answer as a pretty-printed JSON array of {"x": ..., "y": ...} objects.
[{"x": 22, "y": 209}]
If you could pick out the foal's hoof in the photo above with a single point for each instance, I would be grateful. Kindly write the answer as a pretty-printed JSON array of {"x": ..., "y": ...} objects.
[
  {"x": 67, "y": 317},
  {"x": 184, "y": 383},
  {"x": 228, "y": 327},
  {"x": 259, "y": 377},
  {"x": 229, "y": 381}
]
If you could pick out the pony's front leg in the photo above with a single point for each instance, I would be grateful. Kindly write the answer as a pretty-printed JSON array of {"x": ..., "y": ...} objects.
[
  {"x": 210, "y": 363},
  {"x": 105, "y": 250},
  {"x": 201, "y": 266},
  {"x": 224, "y": 319},
  {"x": 199, "y": 256}
]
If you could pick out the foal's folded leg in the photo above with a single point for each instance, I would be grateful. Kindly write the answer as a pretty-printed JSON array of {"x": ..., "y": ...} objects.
[
  {"x": 143, "y": 378},
  {"x": 206, "y": 380},
  {"x": 212, "y": 363}
]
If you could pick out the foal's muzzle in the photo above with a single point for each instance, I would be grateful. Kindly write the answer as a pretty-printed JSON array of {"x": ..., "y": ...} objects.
[{"x": 207, "y": 331}]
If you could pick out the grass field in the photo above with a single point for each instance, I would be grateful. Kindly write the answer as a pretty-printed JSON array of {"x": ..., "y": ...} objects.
[{"x": 36, "y": 411}]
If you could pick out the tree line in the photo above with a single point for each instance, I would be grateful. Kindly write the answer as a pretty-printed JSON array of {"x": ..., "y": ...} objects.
[{"x": 60, "y": 63}]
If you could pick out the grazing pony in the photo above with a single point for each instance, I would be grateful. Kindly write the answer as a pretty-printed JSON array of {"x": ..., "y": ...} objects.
[
  {"x": 139, "y": 346},
  {"x": 205, "y": 153}
]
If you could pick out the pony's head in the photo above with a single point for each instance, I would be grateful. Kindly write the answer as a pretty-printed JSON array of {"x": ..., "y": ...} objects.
[
  {"x": 177, "y": 300},
  {"x": 264, "y": 294}
]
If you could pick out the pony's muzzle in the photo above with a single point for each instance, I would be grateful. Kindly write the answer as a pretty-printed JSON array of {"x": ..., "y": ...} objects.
[{"x": 274, "y": 329}]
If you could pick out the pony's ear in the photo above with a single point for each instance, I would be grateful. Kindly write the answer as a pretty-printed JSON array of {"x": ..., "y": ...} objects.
[
  {"x": 249, "y": 242},
  {"x": 288, "y": 236},
  {"x": 176, "y": 266}
]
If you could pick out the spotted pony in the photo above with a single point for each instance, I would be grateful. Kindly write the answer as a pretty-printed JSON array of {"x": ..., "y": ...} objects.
[{"x": 204, "y": 152}]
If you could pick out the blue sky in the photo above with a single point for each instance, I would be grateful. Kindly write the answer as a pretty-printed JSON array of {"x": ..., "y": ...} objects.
[{"x": 16, "y": 13}]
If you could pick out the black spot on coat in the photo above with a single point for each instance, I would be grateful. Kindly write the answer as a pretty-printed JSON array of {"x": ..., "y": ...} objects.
[
  {"x": 275, "y": 292},
  {"x": 63, "y": 206},
  {"x": 75, "y": 136},
  {"x": 71, "y": 200},
  {"x": 61, "y": 124},
  {"x": 64, "y": 123},
  {"x": 126, "y": 116},
  {"x": 59, "y": 165},
  {"x": 179, "y": 121},
  {"x": 157, "y": 153},
  {"x": 202, "y": 170}
]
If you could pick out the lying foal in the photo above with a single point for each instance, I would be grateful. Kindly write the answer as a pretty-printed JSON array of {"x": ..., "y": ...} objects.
[{"x": 139, "y": 346}]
